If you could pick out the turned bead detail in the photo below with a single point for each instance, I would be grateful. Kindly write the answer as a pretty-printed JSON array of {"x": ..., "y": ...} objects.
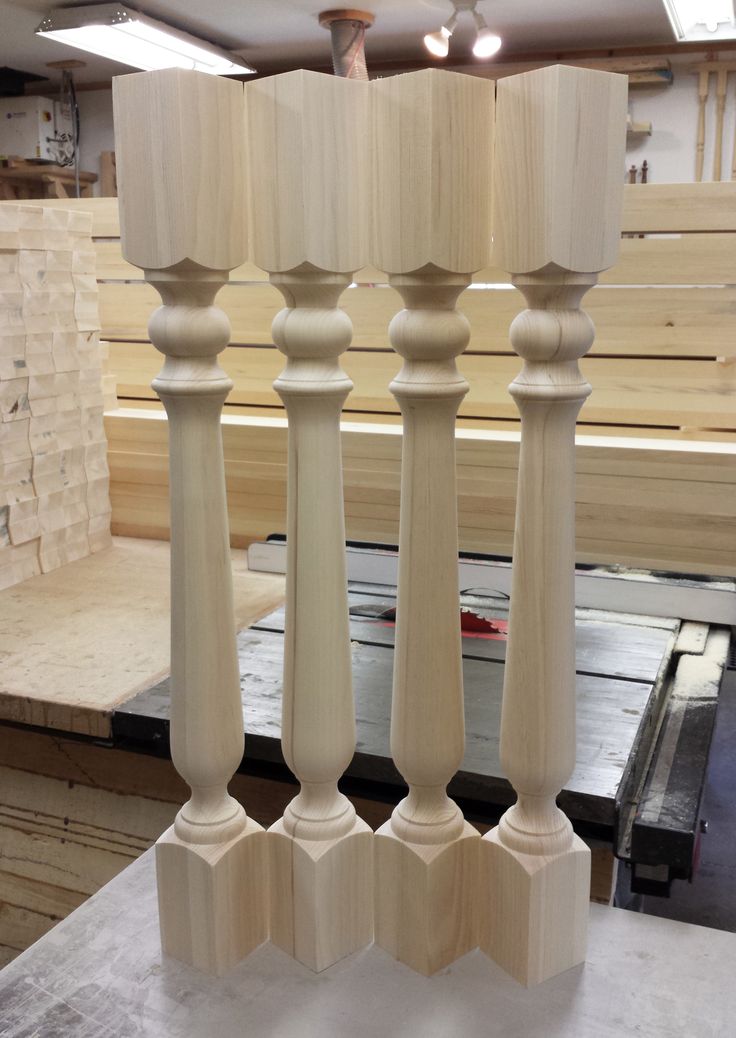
[
  {"x": 551, "y": 336},
  {"x": 312, "y": 332}
]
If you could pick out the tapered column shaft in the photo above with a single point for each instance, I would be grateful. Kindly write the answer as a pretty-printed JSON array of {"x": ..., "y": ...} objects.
[
  {"x": 558, "y": 192},
  {"x": 178, "y": 133},
  {"x": 703, "y": 88},
  {"x": 721, "y": 88},
  {"x": 539, "y": 679},
  {"x": 309, "y": 171},
  {"x": 433, "y": 134},
  {"x": 318, "y": 726},
  {"x": 427, "y": 714},
  {"x": 206, "y": 711}
]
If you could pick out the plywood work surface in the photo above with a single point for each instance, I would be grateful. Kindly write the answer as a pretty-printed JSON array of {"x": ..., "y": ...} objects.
[
  {"x": 81, "y": 640},
  {"x": 101, "y": 973}
]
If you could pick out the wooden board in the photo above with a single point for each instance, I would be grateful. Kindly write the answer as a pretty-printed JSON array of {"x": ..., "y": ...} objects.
[
  {"x": 680, "y": 259},
  {"x": 649, "y": 322},
  {"x": 70, "y": 656},
  {"x": 687, "y": 316},
  {"x": 658, "y": 503},
  {"x": 684, "y": 392},
  {"x": 675, "y": 208}
]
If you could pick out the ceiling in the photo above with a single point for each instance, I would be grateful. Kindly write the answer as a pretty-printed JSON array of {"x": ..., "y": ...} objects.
[{"x": 279, "y": 34}]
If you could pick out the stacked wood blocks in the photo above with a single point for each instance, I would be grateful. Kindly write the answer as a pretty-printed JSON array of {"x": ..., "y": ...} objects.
[
  {"x": 425, "y": 219},
  {"x": 54, "y": 480}
]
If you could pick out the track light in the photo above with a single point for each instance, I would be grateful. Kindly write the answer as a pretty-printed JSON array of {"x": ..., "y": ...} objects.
[
  {"x": 487, "y": 43},
  {"x": 438, "y": 43}
]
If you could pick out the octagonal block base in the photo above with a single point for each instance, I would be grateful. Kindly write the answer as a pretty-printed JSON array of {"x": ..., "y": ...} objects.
[
  {"x": 426, "y": 898},
  {"x": 213, "y": 898},
  {"x": 534, "y": 918},
  {"x": 321, "y": 894}
]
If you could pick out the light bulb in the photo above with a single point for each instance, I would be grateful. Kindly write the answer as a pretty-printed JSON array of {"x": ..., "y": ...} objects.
[
  {"x": 487, "y": 44},
  {"x": 438, "y": 43}
]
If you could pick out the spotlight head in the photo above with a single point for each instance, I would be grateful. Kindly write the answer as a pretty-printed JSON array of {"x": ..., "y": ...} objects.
[
  {"x": 487, "y": 44},
  {"x": 438, "y": 43}
]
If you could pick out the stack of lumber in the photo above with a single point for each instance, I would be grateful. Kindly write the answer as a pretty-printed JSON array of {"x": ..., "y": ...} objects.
[
  {"x": 656, "y": 476},
  {"x": 662, "y": 364},
  {"x": 54, "y": 479}
]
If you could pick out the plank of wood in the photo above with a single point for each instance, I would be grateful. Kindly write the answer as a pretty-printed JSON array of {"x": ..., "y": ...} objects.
[
  {"x": 656, "y": 322},
  {"x": 683, "y": 259},
  {"x": 638, "y": 392},
  {"x": 104, "y": 211},
  {"x": 106, "y": 641},
  {"x": 643, "y": 502},
  {"x": 679, "y": 208},
  {"x": 648, "y": 209}
]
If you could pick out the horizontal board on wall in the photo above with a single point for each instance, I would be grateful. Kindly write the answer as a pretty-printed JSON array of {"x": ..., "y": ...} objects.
[
  {"x": 493, "y": 424},
  {"x": 648, "y": 503},
  {"x": 647, "y": 209},
  {"x": 690, "y": 259},
  {"x": 655, "y": 322},
  {"x": 682, "y": 392},
  {"x": 679, "y": 208}
]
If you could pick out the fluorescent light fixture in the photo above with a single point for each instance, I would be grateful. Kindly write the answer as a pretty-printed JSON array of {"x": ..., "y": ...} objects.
[
  {"x": 122, "y": 34},
  {"x": 698, "y": 20}
]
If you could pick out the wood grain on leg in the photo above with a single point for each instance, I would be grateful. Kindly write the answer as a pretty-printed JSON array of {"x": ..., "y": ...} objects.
[
  {"x": 177, "y": 133},
  {"x": 431, "y": 231},
  {"x": 309, "y": 168},
  {"x": 558, "y": 194}
]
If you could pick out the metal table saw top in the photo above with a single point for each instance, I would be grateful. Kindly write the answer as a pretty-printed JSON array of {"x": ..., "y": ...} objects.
[{"x": 626, "y": 673}]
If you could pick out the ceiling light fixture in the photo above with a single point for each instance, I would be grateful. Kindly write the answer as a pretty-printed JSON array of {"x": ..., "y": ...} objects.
[
  {"x": 122, "y": 34},
  {"x": 487, "y": 43},
  {"x": 438, "y": 43},
  {"x": 695, "y": 20}
]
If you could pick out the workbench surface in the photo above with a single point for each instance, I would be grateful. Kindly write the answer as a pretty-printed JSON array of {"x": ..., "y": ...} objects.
[
  {"x": 100, "y": 974},
  {"x": 84, "y": 638}
]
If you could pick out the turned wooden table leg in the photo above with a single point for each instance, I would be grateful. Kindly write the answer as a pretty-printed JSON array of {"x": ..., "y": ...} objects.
[
  {"x": 308, "y": 229},
  {"x": 211, "y": 864},
  {"x": 703, "y": 89},
  {"x": 432, "y": 228},
  {"x": 557, "y": 182},
  {"x": 721, "y": 89}
]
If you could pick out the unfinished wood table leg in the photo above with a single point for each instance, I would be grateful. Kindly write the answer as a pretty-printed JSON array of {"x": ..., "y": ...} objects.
[
  {"x": 211, "y": 864},
  {"x": 321, "y": 850},
  {"x": 558, "y": 194},
  {"x": 536, "y": 869},
  {"x": 177, "y": 133},
  {"x": 433, "y": 136},
  {"x": 307, "y": 134},
  {"x": 703, "y": 89},
  {"x": 721, "y": 85},
  {"x": 426, "y": 854}
]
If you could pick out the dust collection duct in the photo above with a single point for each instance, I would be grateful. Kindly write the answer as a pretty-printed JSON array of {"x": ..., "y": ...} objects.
[{"x": 347, "y": 29}]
